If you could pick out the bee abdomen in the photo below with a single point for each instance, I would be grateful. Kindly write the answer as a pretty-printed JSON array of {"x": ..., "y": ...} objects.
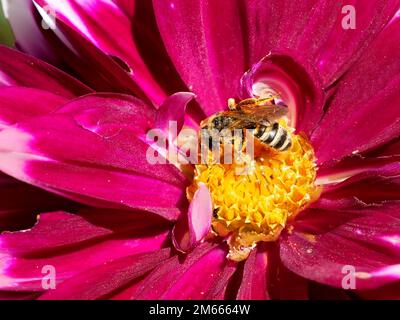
[{"x": 276, "y": 137}]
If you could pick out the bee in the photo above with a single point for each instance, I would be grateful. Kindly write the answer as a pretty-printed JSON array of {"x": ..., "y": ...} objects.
[{"x": 258, "y": 115}]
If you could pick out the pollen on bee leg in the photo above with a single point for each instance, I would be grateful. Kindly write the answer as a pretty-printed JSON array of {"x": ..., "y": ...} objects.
[
  {"x": 256, "y": 206},
  {"x": 231, "y": 103}
]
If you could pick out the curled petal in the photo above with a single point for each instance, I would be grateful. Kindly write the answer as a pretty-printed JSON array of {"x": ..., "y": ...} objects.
[
  {"x": 296, "y": 83},
  {"x": 173, "y": 109},
  {"x": 190, "y": 230}
]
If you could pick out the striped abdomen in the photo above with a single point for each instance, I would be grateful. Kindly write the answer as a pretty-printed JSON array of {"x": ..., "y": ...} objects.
[{"x": 273, "y": 135}]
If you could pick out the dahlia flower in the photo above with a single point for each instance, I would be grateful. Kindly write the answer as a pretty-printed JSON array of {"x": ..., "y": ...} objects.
[{"x": 88, "y": 79}]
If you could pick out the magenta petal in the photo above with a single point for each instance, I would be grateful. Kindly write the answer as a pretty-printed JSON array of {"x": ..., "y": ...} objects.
[
  {"x": 28, "y": 30},
  {"x": 100, "y": 71},
  {"x": 332, "y": 48},
  {"x": 194, "y": 277},
  {"x": 296, "y": 83},
  {"x": 75, "y": 244},
  {"x": 20, "y": 203},
  {"x": 105, "y": 279},
  {"x": 106, "y": 113},
  {"x": 388, "y": 150},
  {"x": 388, "y": 292},
  {"x": 191, "y": 229},
  {"x": 15, "y": 66},
  {"x": 107, "y": 26},
  {"x": 254, "y": 282},
  {"x": 205, "y": 42},
  {"x": 101, "y": 162},
  {"x": 127, "y": 5},
  {"x": 18, "y": 104},
  {"x": 323, "y": 252},
  {"x": 317, "y": 33},
  {"x": 58, "y": 230},
  {"x": 71, "y": 50},
  {"x": 173, "y": 109},
  {"x": 376, "y": 77},
  {"x": 219, "y": 41},
  {"x": 371, "y": 187}
]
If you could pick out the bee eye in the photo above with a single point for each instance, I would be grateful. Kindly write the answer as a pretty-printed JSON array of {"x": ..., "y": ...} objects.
[{"x": 218, "y": 123}]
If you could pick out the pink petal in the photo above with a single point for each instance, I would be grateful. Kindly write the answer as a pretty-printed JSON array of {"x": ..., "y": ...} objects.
[
  {"x": 18, "y": 295},
  {"x": 27, "y": 30},
  {"x": 321, "y": 251},
  {"x": 332, "y": 48},
  {"x": 254, "y": 282},
  {"x": 370, "y": 187},
  {"x": 15, "y": 66},
  {"x": 283, "y": 284},
  {"x": 390, "y": 149},
  {"x": 20, "y": 203},
  {"x": 317, "y": 32},
  {"x": 99, "y": 22},
  {"x": 62, "y": 45},
  {"x": 127, "y": 5},
  {"x": 173, "y": 109},
  {"x": 100, "y": 71},
  {"x": 194, "y": 277},
  {"x": 59, "y": 230},
  {"x": 190, "y": 230},
  {"x": 105, "y": 279},
  {"x": 209, "y": 54},
  {"x": 219, "y": 41},
  {"x": 106, "y": 114},
  {"x": 94, "y": 156},
  {"x": 73, "y": 244},
  {"x": 376, "y": 78},
  {"x": 18, "y": 104}
]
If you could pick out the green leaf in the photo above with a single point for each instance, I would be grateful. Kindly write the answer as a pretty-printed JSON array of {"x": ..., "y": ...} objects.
[{"x": 6, "y": 34}]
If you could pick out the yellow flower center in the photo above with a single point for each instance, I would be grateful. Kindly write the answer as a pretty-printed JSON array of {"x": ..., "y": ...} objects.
[{"x": 257, "y": 205}]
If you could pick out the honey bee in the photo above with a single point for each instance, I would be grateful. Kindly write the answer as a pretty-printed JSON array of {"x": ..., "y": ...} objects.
[{"x": 258, "y": 115}]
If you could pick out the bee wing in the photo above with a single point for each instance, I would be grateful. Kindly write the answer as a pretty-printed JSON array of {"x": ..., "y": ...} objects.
[
  {"x": 261, "y": 113},
  {"x": 240, "y": 119}
]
